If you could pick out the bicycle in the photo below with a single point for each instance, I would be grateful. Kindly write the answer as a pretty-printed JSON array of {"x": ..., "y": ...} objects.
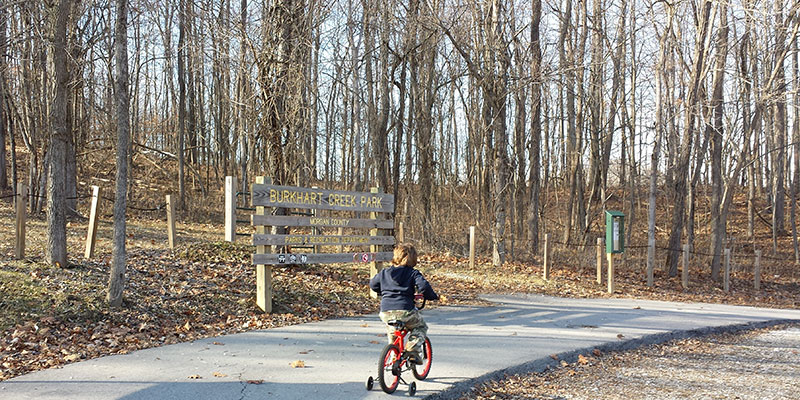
[{"x": 393, "y": 362}]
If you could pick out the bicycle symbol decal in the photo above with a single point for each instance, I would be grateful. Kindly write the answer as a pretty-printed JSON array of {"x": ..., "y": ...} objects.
[{"x": 363, "y": 257}]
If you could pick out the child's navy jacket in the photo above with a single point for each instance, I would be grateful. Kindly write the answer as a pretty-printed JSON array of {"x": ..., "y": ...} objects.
[{"x": 396, "y": 286}]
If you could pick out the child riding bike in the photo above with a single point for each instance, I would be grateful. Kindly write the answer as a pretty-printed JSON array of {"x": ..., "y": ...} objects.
[{"x": 396, "y": 285}]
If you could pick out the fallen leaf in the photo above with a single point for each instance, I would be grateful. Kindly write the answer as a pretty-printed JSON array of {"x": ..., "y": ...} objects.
[
  {"x": 620, "y": 336},
  {"x": 195, "y": 377},
  {"x": 219, "y": 374},
  {"x": 218, "y": 343},
  {"x": 254, "y": 381},
  {"x": 564, "y": 363},
  {"x": 374, "y": 342},
  {"x": 597, "y": 352},
  {"x": 298, "y": 364},
  {"x": 364, "y": 325},
  {"x": 554, "y": 356},
  {"x": 582, "y": 359},
  {"x": 72, "y": 357}
]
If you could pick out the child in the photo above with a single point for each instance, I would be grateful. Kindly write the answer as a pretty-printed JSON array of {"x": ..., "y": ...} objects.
[{"x": 396, "y": 285}]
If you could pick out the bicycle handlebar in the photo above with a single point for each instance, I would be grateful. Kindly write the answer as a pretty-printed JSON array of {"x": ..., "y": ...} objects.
[{"x": 419, "y": 301}]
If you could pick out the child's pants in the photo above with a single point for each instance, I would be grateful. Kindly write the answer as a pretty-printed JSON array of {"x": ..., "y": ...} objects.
[{"x": 415, "y": 325}]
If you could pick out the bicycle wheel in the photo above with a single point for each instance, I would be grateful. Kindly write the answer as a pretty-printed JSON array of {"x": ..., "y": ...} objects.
[
  {"x": 388, "y": 380},
  {"x": 421, "y": 371}
]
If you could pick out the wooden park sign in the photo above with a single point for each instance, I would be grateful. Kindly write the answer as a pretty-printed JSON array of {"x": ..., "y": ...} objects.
[{"x": 343, "y": 203}]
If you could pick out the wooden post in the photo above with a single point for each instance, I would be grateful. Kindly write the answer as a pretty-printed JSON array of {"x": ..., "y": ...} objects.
[
  {"x": 401, "y": 234},
  {"x": 599, "y": 261},
  {"x": 546, "y": 272},
  {"x": 374, "y": 266},
  {"x": 611, "y": 286},
  {"x": 340, "y": 233},
  {"x": 91, "y": 234},
  {"x": 685, "y": 270},
  {"x": 171, "y": 221},
  {"x": 263, "y": 272},
  {"x": 472, "y": 247},
  {"x": 651, "y": 251},
  {"x": 21, "y": 206},
  {"x": 230, "y": 209},
  {"x": 726, "y": 284},
  {"x": 757, "y": 271}
]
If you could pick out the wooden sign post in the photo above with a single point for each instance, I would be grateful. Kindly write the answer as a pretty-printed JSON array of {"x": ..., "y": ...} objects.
[
  {"x": 546, "y": 269},
  {"x": 599, "y": 261},
  {"x": 91, "y": 233},
  {"x": 230, "y": 209},
  {"x": 170, "y": 221},
  {"x": 21, "y": 208},
  {"x": 472, "y": 247}
]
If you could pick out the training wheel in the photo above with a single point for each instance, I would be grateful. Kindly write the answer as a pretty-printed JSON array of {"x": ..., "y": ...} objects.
[
  {"x": 412, "y": 389},
  {"x": 370, "y": 383}
]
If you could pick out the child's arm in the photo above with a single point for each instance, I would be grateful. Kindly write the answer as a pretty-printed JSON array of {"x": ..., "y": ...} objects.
[
  {"x": 375, "y": 284},
  {"x": 424, "y": 287}
]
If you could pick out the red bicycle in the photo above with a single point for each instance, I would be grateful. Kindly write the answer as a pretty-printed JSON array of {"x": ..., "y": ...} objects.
[{"x": 395, "y": 360}]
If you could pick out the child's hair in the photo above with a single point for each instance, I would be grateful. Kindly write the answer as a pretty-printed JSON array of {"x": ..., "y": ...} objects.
[{"x": 405, "y": 254}]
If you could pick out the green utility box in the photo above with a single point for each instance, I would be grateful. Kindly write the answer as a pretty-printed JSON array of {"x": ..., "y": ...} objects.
[{"x": 615, "y": 232}]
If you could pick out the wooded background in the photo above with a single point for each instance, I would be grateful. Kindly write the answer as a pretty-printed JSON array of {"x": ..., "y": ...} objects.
[{"x": 518, "y": 116}]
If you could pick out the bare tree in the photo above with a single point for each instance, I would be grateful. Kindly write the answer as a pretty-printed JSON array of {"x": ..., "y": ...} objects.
[
  {"x": 56, "y": 198},
  {"x": 682, "y": 169},
  {"x": 116, "y": 282},
  {"x": 536, "y": 127}
]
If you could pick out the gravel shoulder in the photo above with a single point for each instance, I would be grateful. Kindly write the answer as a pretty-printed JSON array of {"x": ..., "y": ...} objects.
[{"x": 756, "y": 364}]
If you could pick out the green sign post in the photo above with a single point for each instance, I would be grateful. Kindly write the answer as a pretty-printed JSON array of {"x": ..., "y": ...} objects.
[
  {"x": 615, "y": 232},
  {"x": 615, "y": 241}
]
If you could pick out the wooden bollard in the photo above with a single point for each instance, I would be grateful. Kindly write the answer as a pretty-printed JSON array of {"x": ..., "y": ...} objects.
[
  {"x": 401, "y": 233},
  {"x": 651, "y": 249},
  {"x": 21, "y": 206},
  {"x": 546, "y": 272},
  {"x": 91, "y": 233},
  {"x": 757, "y": 271},
  {"x": 611, "y": 285},
  {"x": 471, "y": 247},
  {"x": 170, "y": 221},
  {"x": 263, "y": 272},
  {"x": 230, "y": 209},
  {"x": 685, "y": 269},
  {"x": 599, "y": 261},
  {"x": 726, "y": 285},
  {"x": 374, "y": 266}
]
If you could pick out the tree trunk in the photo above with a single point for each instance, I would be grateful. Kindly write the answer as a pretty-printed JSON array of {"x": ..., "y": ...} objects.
[
  {"x": 718, "y": 223},
  {"x": 3, "y": 117},
  {"x": 56, "y": 201},
  {"x": 116, "y": 282},
  {"x": 181, "y": 102},
  {"x": 682, "y": 169},
  {"x": 536, "y": 128},
  {"x": 780, "y": 124}
]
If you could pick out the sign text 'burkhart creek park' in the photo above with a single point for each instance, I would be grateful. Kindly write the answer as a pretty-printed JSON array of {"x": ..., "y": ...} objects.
[{"x": 296, "y": 197}]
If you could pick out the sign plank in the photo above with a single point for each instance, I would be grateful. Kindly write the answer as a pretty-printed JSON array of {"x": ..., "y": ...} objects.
[
  {"x": 332, "y": 240},
  {"x": 336, "y": 222},
  {"x": 321, "y": 199},
  {"x": 312, "y": 258}
]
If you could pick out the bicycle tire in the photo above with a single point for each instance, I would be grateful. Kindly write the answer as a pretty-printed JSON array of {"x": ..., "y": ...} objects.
[
  {"x": 386, "y": 378},
  {"x": 425, "y": 367}
]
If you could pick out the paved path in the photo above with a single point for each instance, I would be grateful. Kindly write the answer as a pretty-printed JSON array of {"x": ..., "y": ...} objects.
[{"x": 519, "y": 333}]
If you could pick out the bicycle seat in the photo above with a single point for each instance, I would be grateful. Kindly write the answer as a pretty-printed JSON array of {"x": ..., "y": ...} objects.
[{"x": 397, "y": 323}]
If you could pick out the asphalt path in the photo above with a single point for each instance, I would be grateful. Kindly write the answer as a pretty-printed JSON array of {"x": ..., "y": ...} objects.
[{"x": 470, "y": 344}]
